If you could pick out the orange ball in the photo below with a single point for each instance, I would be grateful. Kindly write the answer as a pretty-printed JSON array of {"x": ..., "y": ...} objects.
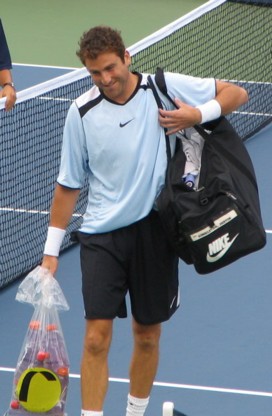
[
  {"x": 63, "y": 371},
  {"x": 42, "y": 355},
  {"x": 51, "y": 327},
  {"x": 35, "y": 325},
  {"x": 15, "y": 404}
]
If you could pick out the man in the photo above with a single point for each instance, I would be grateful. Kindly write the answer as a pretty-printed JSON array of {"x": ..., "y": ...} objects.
[
  {"x": 6, "y": 83},
  {"x": 114, "y": 136}
]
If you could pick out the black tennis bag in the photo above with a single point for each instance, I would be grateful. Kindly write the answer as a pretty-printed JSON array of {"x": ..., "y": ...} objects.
[{"x": 221, "y": 221}]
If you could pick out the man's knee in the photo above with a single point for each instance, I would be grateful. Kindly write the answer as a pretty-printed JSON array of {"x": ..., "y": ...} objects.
[
  {"x": 98, "y": 336},
  {"x": 146, "y": 337}
]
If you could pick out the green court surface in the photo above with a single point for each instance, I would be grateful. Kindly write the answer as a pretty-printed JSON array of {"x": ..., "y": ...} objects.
[{"x": 47, "y": 32}]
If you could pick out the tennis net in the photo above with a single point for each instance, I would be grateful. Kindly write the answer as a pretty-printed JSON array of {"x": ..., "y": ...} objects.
[{"x": 223, "y": 39}]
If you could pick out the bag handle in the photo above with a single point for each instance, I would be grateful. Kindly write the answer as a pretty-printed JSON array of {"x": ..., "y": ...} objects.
[
  {"x": 159, "y": 104},
  {"x": 160, "y": 81}
]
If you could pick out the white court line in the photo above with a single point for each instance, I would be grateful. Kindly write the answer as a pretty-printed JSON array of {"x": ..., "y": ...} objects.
[
  {"x": 55, "y": 99},
  {"x": 247, "y": 113},
  {"x": 31, "y": 211},
  {"x": 177, "y": 385},
  {"x": 46, "y": 66}
]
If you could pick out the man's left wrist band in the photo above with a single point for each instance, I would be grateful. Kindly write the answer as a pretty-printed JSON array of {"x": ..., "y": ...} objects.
[{"x": 53, "y": 242}]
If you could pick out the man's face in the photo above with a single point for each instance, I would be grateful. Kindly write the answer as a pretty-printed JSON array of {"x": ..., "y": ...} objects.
[{"x": 111, "y": 75}]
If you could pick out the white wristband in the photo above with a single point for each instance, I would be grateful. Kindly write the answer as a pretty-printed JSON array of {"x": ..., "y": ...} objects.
[
  {"x": 209, "y": 111},
  {"x": 53, "y": 241}
]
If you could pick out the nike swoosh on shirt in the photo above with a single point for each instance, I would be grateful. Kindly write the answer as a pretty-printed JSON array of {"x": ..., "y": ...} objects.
[
  {"x": 124, "y": 124},
  {"x": 222, "y": 252}
]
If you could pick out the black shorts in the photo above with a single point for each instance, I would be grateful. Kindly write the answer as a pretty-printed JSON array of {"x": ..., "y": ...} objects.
[{"x": 136, "y": 259}]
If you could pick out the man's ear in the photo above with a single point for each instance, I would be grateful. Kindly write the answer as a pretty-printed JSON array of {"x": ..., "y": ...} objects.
[{"x": 127, "y": 58}]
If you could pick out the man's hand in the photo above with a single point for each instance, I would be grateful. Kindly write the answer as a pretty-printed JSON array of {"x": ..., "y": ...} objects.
[
  {"x": 10, "y": 94},
  {"x": 185, "y": 116},
  {"x": 50, "y": 263}
]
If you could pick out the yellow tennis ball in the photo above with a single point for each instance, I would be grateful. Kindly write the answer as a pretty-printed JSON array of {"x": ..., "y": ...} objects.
[{"x": 38, "y": 389}]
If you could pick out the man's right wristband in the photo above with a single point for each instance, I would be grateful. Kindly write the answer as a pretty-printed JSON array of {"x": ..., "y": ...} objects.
[
  {"x": 210, "y": 110},
  {"x": 53, "y": 242}
]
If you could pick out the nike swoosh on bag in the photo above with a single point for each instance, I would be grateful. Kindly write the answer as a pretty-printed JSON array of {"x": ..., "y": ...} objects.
[
  {"x": 124, "y": 124},
  {"x": 213, "y": 259}
]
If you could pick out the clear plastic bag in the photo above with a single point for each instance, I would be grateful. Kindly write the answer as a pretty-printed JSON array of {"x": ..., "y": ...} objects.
[{"x": 42, "y": 373}]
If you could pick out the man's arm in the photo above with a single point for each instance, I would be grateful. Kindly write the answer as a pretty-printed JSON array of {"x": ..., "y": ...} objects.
[
  {"x": 6, "y": 83},
  {"x": 8, "y": 89},
  {"x": 62, "y": 209},
  {"x": 228, "y": 98}
]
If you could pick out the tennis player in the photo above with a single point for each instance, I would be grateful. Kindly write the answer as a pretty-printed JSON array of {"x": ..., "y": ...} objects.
[
  {"x": 113, "y": 136},
  {"x": 6, "y": 82}
]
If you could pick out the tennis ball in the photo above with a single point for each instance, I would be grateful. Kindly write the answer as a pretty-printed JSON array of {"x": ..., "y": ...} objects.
[
  {"x": 35, "y": 325},
  {"x": 15, "y": 404},
  {"x": 63, "y": 371},
  {"x": 41, "y": 355},
  {"x": 38, "y": 389},
  {"x": 51, "y": 327}
]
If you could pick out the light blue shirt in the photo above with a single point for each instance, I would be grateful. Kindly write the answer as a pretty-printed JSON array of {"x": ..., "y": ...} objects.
[{"x": 121, "y": 149}]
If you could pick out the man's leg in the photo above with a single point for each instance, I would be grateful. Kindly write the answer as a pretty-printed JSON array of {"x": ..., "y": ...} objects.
[
  {"x": 145, "y": 358},
  {"x": 94, "y": 365}
]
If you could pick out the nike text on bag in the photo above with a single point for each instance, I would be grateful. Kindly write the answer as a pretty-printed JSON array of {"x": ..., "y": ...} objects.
[{"x": 220, "y": 221}]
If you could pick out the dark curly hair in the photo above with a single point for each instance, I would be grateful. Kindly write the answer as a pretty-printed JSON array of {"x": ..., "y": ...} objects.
[{"x": 98, "y": 40}]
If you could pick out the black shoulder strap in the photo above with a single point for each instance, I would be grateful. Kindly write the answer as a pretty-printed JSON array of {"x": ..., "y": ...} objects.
[
  {"x": 160, "y": 81},
  {"x": 159, "y": 104}
]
